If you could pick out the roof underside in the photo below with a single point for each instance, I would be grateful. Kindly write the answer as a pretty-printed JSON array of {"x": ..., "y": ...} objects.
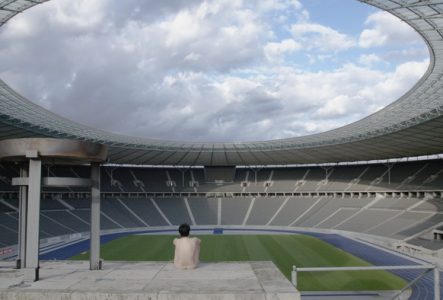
[{"x": 410, "y": 126}]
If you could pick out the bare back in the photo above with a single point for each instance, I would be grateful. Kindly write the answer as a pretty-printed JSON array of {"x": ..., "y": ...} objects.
[{"x": 187, "y": 252}]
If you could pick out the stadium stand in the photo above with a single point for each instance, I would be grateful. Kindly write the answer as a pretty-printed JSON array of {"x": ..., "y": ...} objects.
[
  {"x": 400, "y": 201},
  {"x": 238, "y": 209}
]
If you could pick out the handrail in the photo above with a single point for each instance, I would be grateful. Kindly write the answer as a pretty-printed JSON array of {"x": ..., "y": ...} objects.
[{"x": 426, "y": 267}]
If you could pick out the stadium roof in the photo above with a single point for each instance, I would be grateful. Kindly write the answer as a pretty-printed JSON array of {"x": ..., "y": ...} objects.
[{"x": 410, "y": 126}]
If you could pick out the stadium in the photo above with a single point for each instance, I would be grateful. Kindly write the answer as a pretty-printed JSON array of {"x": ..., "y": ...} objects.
[{"x": 371, "y": 189}]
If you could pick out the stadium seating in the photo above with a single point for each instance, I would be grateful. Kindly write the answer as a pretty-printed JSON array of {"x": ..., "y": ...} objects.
[{"x": 400, "y": 201}]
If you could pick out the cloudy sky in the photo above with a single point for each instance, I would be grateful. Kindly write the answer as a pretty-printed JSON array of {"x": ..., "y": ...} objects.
[{"x": 218, "y": 70}]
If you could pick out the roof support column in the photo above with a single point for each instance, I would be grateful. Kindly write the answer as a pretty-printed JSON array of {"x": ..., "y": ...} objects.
[
  {"x": 23, "y": 204},
  {"x": 33, "y": 221},
  {"x": 94, "y": 260},
  {"x": 34, "y": 151}
]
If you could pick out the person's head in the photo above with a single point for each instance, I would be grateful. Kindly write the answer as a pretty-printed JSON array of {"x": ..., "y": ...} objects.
[{"x": 184, "y": 230}]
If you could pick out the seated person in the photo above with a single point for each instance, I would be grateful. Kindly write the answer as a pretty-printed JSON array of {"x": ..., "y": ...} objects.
[{"x": 187, "y": 250}]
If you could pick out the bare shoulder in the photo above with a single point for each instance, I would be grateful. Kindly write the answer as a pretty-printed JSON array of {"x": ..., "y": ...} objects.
[
  {"x": 197, "y": 240},
  {"x": 175, "y": 241}
]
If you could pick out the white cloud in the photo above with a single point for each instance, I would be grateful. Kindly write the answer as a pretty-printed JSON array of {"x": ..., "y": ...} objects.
[
  {"x": 369, "y": 59},
  {"x": 296, "y": 4},
  {"x": 385, "y": 29},
  {"x": 196, "y": 69},
  {"x": 404, "y": 76},
  {"x": 81, "y": 14},
  {"x": 337, "y": 106},
  {"x": 274, "y": 51},
  {"x": 319, "y": 37},
  {"x": 19, "y": 28},
  {"x": 193, "y": 56},
  {"x": 175, "y": 35}
]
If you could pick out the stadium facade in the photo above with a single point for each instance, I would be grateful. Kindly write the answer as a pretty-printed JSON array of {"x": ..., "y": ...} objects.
[{"x": 410, "y": 126}]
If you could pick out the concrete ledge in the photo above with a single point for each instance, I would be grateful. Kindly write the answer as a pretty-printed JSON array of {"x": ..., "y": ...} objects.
[
  {"x": 64, "y": 149},
  {"x": 152, "y": 280}
]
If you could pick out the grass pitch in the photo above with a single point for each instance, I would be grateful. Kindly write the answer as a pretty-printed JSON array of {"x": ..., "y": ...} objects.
[{"x": 283, "y": 250}]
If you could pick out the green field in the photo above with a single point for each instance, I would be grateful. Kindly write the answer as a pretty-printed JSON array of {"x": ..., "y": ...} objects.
[{"x": 283, "y": 250}]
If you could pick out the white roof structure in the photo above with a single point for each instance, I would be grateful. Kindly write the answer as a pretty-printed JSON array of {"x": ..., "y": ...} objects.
[{"x": 410, "y": 126}]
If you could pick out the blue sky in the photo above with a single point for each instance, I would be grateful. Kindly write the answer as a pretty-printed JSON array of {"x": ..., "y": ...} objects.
[
  {"x": 349, "y": 18},
  {"x": 211, "y": 70}
]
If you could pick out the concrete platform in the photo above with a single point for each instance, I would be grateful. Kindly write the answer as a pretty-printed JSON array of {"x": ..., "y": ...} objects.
[{"x": 150, "y": 280}]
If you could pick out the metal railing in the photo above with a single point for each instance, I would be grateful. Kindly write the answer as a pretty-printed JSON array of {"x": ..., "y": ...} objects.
[{"x": 427, "y": 268}]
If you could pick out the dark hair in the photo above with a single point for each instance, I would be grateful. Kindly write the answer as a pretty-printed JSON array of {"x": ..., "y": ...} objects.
[{"x": 184, "y": 229}]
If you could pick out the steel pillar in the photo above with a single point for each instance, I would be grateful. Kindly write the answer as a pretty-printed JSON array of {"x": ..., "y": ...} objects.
[
  {"x": 33, "y": 221},
  {"x": 94, "y": 259},
  {"x": 23, "y": 204}
]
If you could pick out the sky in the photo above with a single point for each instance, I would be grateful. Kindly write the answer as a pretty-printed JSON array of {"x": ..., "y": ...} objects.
[{"x": 211, "y": 70}]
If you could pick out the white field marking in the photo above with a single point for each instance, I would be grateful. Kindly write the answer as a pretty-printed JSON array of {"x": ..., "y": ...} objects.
[
  {"x": 132, "y": 212},
  {"x": 77, "y": 217},
  {"x": 219, "y": 210},
  {"x": 385, "y": 221},
  {"x": 110, "y": 219},
  {"x": 64, "y": 203},
  {"x": 278, "y": 211},
  {"x": 332, "y": 215},
  {"x": 359, "y": 177},
  {"x": 160, "y": 211},
  {"x": 8, "y": 205},
  {"x": 248, "y": 212},
  {"x": 358, "y": 211},
  {"x": 42, "y": 213},
  {"x": 188, "y": 208},
  {"x": 306, "y": 211}
]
